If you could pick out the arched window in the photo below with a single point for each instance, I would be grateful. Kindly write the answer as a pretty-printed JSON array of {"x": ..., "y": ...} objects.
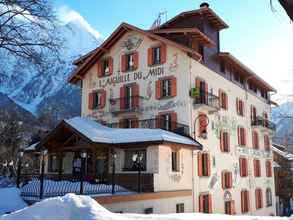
[{"x": 269, "y": 197}]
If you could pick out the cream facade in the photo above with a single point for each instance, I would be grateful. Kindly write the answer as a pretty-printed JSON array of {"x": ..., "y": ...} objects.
[{"x": 187, "y": 70}]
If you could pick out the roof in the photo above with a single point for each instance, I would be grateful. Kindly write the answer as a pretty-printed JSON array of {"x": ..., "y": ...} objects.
[
  {"x": 31, "y": 147},
  {"x": 284, "y": 154},
  {"x": 99, "y": 133},
  {"x": 202, "y": 38},
  {"x": 213, "y": 18},
  {"x": 108, "y": 43},
  {"x": 288, "y": 6},
  {"x": 227, "y": 57}
]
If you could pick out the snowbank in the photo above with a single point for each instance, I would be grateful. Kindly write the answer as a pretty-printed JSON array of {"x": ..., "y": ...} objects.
[
  {"x": 10, "y": 200},
  {"x": 5, "y": 182},
  {"x": 73, "y": 207}
]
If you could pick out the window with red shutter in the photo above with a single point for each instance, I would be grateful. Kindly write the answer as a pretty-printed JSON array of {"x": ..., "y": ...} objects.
[
  {"x": 97, "y": 99},
  {"x": 269, "y": 168},
  {"x": 223, "y": 100},
  {"x": 241, "y": 136},
  {"x": 243, "y": 167},
  {"x": 205, "y": 203},
  {"x": 267, "y": 146},
  {"x": 230, "y": 207},
  {"x": 167, "y": 121},
  {"x": 239, "y": 107},
  {"x": 135, "y": 95},
  {"x": 244, "y": 201},
  {"x": 257, "y": 168},
  {"x": 105, "y": 67},
  {"x": 258, "y": 199},
  {"x": 253, "y": 114},
  {"x": 227, "y": 180},
  {"x": 158, "y": 89},
  {"x": 224, "y": 141},
  {"x": 91, "y": 100},
  {"x": 173, "y": 86},
  {"x": 255, "y": 140},
  {"x": 204, "y": 164}
]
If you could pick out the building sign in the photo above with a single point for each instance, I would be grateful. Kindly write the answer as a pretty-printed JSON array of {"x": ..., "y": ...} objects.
[{"x": 131, "y": 77}]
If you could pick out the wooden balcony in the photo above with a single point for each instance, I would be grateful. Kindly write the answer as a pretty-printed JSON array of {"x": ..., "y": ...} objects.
[
  {"x": 126, "y": 104},
  {"x": 263, "y": 124},
  {"x": 207, "y": 102}
]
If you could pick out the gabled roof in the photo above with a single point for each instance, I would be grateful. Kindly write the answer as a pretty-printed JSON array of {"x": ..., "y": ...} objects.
[
  {"x": 92, "y": 57},
  {"x": 94, "y": 132},
  {"x": 213, "y": 18},
  {"x": 228, "y": 58}
]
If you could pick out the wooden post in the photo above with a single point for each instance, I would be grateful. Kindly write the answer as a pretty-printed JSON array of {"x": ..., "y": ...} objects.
[
  {"x": 60, "y": 168},
  {"x": 42, "y": 178},
  {"x": 113, "y": 170}
]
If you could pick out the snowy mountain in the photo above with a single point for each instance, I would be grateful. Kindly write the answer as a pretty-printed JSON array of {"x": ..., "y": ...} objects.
[
  {"x": 283, "y": 117},
  {"x": 33, "y": 87}
]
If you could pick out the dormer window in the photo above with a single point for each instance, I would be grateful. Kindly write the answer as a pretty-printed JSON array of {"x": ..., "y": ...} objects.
[
  {"x": 129, "y": 62},
  {"x": 105, "y": 67}
]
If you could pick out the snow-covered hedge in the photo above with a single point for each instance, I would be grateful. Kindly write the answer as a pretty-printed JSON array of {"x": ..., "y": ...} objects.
[{"x": 73, "y": 207}]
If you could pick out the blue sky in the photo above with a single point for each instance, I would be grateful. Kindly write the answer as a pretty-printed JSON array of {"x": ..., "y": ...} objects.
[{"x": 259, "y": 37}]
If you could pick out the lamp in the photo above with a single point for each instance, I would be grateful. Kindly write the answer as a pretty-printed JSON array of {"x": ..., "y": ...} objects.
[{"x": 83, "y": 154}]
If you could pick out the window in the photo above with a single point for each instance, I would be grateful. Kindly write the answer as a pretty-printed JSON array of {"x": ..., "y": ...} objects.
[
  {"x": 204, "y": 164},
  {"x": 258, "y": 199},
  {"x": 180, "y": 208},
  {"x": 148, "y": 211},
  {"x": 205, "y": 203},
  {"x": 167, "y": 121},
  {"x": 255, "y": 140},
  {"x": 224, "y": 141},
  {"x": 166, "y": 87},
  {"x": 128, "y": 123},
  {"x": 230, "y": 207},
  {"x": 227, "y": 180},
  {"x": 243, "y": 167},
  {"x": 202, "y": 125},
  {"x": 241, "y": 136},
  {"x": 253, "y": 114},
  {"x": 129, "y": 97},
  {"x": 222, "y": 67},
  {"x": 97, "y": 99},
  {"x": 129, "y": 62},
  {"x": 129, "y": 165},
  {"x": 239, "y": 107},
  {"x": 105, "y": 67},
  {"x": 269, "y": 168},
  {"x": 157, "y": 55},
  {"x": 223, "y": 100},
  {"x": 269, "y": 197},
  {"x": 257, "y": 168},
  {"x": 175, "y": 161},
  {"x": 267, "y": 145},
  {"x": 53, "y": 163},
  {"x": 244, "y": 201},
  {"x": 202, "y": 88}
]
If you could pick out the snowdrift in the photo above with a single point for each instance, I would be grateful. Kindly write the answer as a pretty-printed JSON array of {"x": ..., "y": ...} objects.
[
  {"x": 10, "y": 200},
  {"x": 73, "y": 207}
]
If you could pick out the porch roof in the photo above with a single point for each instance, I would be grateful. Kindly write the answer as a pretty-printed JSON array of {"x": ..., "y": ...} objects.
[{"x": 98, "y": 133}]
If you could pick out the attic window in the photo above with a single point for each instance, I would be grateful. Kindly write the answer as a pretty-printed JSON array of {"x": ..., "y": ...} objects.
[
  {"x": 157, "y": 55},
  {"x": 106, "y": 67}
]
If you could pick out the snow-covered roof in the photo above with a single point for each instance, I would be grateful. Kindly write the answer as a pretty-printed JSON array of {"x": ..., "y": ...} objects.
[
  {"x": 284, "y": 154},
  {"x": 31, "y": 147},
  {"x": 99, "y": 133}
]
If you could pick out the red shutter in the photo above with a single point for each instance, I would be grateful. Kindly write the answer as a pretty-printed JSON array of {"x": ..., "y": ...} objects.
[
  {"x": 158, "y": 121},
  {"x": 228, "y": 141},
  {"x": 222, "y": 141},
  {"x": 226, "y": 101},
  {"x": 242, "y": 202},
  {"x": 135, "y": 96},
  {"x": 173, "y": 121},
  {"x": 100, "y": 69},
  {"x": 255, "y": 168},
  {"x": 123, "y": 63},
  {"x": 110, "y": 65},
  {"x": 233, "y": 211},
  {"x": 230, "y": 180},
  {"x": 102, "y": 100},
  {"x": 173, "y": 86},
  {"x": 244, "y": 136},
  {"x": 197, "y": 83},
  {"x": 91, "y": 101},
  {"x": 158, "y": 89},
  {"x": 199, "y": 164},
  {"x": 136, "y": 60},
  {"x": 237, "y": 106},
  {"x": 163, "y": 49},
  {"x": 208, "y": 164},
  {"x": 239, "y": 136},
  {"x": 121, "y": 123},
  {"x": 122, "y": 98},
  {"x": 150, "y": 56},
  {"x": 223, "y": 180},
  {"x": 134, "y": 123},
  {"x": 210, "y": 204},
  {"x": 201, "y": 203}
]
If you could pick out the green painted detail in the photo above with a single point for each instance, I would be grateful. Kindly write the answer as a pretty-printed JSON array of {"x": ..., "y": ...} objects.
[{"x": 194, "y": 92}]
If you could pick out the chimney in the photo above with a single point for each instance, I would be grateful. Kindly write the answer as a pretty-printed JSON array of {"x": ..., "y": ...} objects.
[{"x": 204, "y": 5}]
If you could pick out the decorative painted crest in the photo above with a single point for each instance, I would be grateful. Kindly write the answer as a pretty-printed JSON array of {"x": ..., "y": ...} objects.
[{"x": 132, "y": 43}]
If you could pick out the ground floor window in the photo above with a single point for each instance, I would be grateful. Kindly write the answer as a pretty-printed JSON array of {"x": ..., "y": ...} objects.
[
  {"x": 175, "y": 161},
  {"x": 135, "y": 155},
  {"x": 258, "y": 199},
  {"x": 230, "y": 207},
  {"x": 269, "y": 197},
  {"x": 244, "y": 201},
  {"x": 180, "y": 208},
  {"x": 52, "y": 163},
  {"x": 205, "y": 203}
]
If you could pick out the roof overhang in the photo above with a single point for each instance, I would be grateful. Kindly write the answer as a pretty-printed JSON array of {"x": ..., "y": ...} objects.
[
  {"x": 202, "y": 38},
  {"x": 288, "y": 6},
  {"x": 212, "y": 17},
  {"x": 92, "y": 57},
  {"x": 248, "y": 73}
]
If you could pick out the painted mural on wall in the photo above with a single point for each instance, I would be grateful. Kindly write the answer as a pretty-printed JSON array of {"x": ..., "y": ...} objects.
[
  {"x": 175, "y": 176},
  {"x": 213, "y": 180},
  {"x": 131, "y": 43},
  {"x": 174, "y": 63},
  {"x": 223, "y": 122}
]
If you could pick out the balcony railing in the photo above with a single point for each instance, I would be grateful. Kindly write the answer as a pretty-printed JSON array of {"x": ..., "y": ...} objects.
[
  {"x": 207, "y": 99},
  {"x": 172, "y": 126},
  {"x": 126, "y": 104},
  {"x": 259, "y": 121}
]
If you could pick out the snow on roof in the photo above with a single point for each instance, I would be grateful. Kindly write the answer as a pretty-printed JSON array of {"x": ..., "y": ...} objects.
[
  {"x": 284, "y": 154},
  {"x": 31, "y": 147},
  {"x": 76, "y": 207},
  {"x": 99, "y": 133}
]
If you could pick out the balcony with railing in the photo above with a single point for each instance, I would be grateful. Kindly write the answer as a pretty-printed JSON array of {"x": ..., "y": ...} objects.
[
  {"x": 263, "y": 123},
  {"x": 206, "y": 101},
  {"x": 126, "y": 104},
  {"x": 167, "y": 125}
]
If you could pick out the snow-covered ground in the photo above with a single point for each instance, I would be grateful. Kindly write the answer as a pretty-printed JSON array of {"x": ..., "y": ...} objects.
[
  {"x": 10, "y": 200},
  {"x": 73, "y": 207}
]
